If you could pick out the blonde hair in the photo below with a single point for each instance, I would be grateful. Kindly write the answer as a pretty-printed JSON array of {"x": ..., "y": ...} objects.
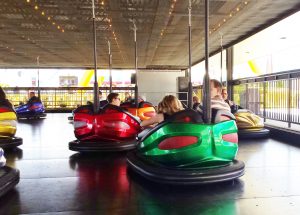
[
  {"x": 196, "y": 99},
  {"x": 169, "y": 105}
]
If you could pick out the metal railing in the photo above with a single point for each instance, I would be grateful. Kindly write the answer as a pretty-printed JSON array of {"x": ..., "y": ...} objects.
[
  {"x": 69, "y": 98},
  {"x": 55, "y": 98},
  {"x": 275, "y": 97}
]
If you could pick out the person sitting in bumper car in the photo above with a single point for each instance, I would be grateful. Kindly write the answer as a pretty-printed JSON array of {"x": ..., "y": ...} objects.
[
  {"x": 33, "y": 98},
  {"x": 114, "y": 99},
  {"x": 196, "y": 102},
  {"x": 217, "y": 101},
  {"x": 234, "y": 107},
  {"x": 4, "y": 101},
  {"x": 168, "y": 106}
]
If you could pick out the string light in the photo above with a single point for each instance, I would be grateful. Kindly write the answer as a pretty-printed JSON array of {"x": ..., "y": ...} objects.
[
  {"x": 36, "y": 7},
  {"x": 172, "y": 7},
  {"x": 234, "y": 12},
  {"x": 110, "y": 26}
]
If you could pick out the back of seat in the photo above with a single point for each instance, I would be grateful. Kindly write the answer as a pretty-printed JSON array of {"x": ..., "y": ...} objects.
[
  {"x": 184, "y": 116},
  {"x": 187, "y": 115},
  {"x": 219, "y": 115}
]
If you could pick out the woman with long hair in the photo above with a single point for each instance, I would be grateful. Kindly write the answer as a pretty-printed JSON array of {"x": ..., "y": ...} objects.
[{"x": 168, "y": 106}]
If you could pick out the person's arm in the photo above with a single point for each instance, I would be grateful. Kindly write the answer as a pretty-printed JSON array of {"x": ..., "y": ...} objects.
[
  {"x": 153, "y": 120},
  {"x": 231, "y": 102}
]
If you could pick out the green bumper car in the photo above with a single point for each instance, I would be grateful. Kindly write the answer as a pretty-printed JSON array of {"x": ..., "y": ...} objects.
[{"x": 184, "y": 150}]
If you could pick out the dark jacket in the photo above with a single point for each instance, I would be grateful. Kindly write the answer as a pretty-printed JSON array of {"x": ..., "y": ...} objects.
[
  {"x": 34, "y": 99},
  {"x": 6, "y": 103}
]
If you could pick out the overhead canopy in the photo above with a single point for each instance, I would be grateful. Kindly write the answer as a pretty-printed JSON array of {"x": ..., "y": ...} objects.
[{"x": 60, "y": 32}]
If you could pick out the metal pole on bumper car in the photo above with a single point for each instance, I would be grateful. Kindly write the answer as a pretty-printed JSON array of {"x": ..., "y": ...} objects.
[
  {"x": 190, "y": 89},
  {"x": 135, "y": 66},
  {"x": 96, "y": 91},
  {"x": 110, "y": 66},
  {"x": 38, "y": 73},
  {"x": 221, "y": 43},
  {"x": 206, "y": 81}
]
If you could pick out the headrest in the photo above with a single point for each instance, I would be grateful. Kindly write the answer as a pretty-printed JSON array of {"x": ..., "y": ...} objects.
[
  {"x": 113, "y": 108},
  {"x": 187, "y": 115},
  {"x": 88, "y": 109}
]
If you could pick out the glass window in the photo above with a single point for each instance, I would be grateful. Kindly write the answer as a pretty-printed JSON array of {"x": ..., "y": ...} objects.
[
  {"x": 62, "y": 77},
  {"x": 198, "y": 70},
  {"x": 275, "y": 49}
]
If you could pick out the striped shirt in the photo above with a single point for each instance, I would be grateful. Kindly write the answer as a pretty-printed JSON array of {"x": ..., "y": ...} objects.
[{"x": 217, "y": 102}]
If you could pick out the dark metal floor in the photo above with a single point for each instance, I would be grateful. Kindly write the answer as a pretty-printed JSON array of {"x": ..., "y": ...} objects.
[{"x": 55, "y": 180}]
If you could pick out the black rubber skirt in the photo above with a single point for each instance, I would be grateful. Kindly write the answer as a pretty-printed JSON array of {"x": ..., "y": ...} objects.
[
  {"x": 9, "y": 178},
  {"x": 10, "y": 142},
  {"x": 31, "y": 115},
  {"x": 162, "y": 174},
  {"x": 253, "y": 134},
  {"x": 102, "y": 146}
]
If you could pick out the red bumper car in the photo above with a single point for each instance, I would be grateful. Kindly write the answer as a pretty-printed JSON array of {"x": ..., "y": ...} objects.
[{"x": 110, "y": 129}]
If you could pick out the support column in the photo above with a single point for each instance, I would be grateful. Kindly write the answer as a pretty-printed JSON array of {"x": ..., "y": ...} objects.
[{"x": 229, "y": 66}]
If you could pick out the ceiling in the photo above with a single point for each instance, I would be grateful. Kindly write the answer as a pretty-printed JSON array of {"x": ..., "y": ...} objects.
[{"x": 61, "y": 33}]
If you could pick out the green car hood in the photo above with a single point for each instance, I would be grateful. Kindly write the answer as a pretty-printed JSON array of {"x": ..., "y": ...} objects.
[{"x": 208, "y": 150}]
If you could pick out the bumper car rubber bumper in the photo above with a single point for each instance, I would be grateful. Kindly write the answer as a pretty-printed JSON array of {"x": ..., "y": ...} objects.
[
  {"x": 10, "y": 142},
  {"x": 253, "y": 133},
  {"x": 31, "y": 115},
  {"x": 102, "y": 146},
  {"x": 9, "y": 178},
  {"x": 161, "y": 174}
]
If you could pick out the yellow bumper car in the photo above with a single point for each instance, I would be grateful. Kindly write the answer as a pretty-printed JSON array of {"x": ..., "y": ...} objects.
[
  {"x": 250, "y": 125},
  {"x": 8, "y": 129}
]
